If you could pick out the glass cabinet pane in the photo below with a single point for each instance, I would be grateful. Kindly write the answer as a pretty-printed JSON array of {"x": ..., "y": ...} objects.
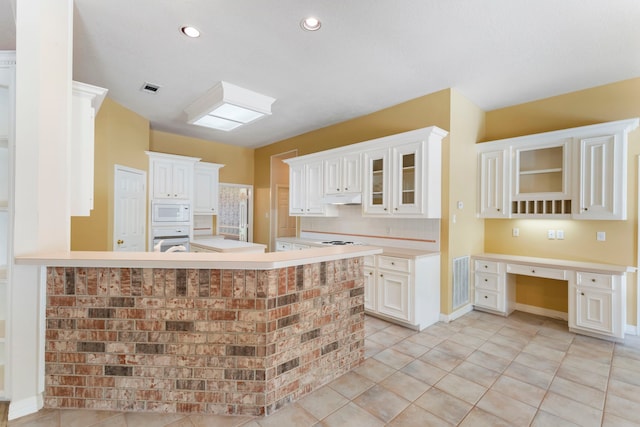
[
  {"x": 408, "y": 178},
  {"x": 377, "y": 182}
]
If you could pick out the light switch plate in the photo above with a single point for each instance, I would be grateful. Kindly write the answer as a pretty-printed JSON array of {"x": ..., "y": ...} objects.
[
  {"x": 515, "y": 232},
  {"x": 551, "y": 234},
  {"x": 601, "y": 236},
  {"x": 560, "y": 234}
]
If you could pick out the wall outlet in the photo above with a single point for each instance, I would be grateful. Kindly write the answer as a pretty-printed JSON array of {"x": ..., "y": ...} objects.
[
  {"x": 560, "y": 234},
  {"x": 601, "y": 236},
  {"x": 460, "y": 204},
  {"x": 551, "y": 234},
  {"x": 515, "y": 232}
]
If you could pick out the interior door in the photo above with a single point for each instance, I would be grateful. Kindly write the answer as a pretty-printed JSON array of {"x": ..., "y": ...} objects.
[
  {"x": 129, "y": 209},
  {"x": 235, "y": 211}
]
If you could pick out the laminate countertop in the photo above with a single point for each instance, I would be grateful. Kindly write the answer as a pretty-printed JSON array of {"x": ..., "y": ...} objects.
[{"x": 207, "y": 260}]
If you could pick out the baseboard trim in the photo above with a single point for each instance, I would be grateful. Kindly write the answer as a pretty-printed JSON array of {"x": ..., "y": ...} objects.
[
  {"x": 446, "y": 318},
  {"x": 631, "y": 330},
  {"x": 542, "y": 311},
  {"x": 30, "y": 405}
]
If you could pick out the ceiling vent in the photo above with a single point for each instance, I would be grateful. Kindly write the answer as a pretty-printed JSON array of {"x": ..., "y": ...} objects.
[{"x": 150, "y": 88}]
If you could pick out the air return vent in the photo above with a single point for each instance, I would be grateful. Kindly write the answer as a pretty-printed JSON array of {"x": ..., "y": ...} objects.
[
  {"x": 150, "y": 88},
  {"x": 460, "y": 281}
]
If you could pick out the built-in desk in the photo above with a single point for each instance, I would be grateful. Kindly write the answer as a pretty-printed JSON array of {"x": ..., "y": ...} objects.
[{"x": 597, "y": 292}]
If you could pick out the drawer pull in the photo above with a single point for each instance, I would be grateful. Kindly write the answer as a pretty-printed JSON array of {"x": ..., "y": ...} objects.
[
  {"x": 593, "y": 280},
  {"x": 485, "y": 297},
  {"x": 486, "y": 266},
  {"x": 533, "y": 271},
  {"x": 486, "y": 280},
  {"x": 393, "y": 263},
  {"x": 381, "y": 275},
  {"x": 582, "y": 293}
]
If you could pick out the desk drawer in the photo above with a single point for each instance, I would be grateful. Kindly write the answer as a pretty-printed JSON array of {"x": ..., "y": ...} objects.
[
  {"x": 393, "y": 263},
  {"x": 481, "y": 265},
  {"x": 490, "y": 282},
  {"x": 594, "y": 280},
  {"x": 488, "y": 299},
  {"x": 528, "y": 270}
]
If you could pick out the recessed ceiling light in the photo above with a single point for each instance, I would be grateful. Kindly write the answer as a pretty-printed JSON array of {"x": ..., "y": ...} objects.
[
  {"x": 189, "y": 31},
  {"x": 310, "y": 24}
]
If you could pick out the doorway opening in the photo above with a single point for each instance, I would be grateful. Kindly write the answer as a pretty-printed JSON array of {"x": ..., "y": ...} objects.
[
  {"x": 279, "y": 219},
  {"x": 235, "y": 212},
  {"x": 129, "y": 216}
]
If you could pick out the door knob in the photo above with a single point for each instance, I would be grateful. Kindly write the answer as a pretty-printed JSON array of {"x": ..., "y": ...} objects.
[{"x": 120, "y": 241}]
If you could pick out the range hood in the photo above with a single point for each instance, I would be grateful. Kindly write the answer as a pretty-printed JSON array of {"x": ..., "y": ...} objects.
[{"x": 343, "y": 199}]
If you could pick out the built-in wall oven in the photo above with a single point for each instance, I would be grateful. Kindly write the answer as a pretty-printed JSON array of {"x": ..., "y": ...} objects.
[{"x": 167, "y": 237}]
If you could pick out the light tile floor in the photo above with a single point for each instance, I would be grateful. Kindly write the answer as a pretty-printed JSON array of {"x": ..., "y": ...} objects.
[{"x": 479, "y": 370}]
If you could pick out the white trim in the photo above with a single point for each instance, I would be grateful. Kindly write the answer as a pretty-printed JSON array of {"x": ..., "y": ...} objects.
[
  {"x": 456, "y": 314},
  {"x": 271, "y": 213},
  {"x": 637, "y": 327},
  {"x": 542, "y": 311},
  {"x": 631, "y": 330},
  {"x": 27, "y": 406}
]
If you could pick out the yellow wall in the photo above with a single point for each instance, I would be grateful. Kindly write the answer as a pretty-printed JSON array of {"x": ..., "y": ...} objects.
[
  {"x": 600, "y": 104},
  {"x": 121, "y": 137},
  {"x": 238, "y": 161},
  {"x": 459, "y": 170}
]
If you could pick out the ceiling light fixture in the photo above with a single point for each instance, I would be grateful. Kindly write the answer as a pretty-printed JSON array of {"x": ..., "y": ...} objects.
[
  {"x": 226, "y": 107},
  {"x": 310, "y": 24},
  {"x": 189, "y": 31}
]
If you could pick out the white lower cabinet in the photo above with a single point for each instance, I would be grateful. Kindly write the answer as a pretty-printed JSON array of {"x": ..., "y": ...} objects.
[
  {"x": 403, "y": 289},
  {"x": 599, "y": 302},
  {"x": 283, "y": 246}
]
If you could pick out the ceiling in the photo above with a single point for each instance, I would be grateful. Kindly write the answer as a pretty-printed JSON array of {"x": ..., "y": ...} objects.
[{"x": 368, "y": 55}]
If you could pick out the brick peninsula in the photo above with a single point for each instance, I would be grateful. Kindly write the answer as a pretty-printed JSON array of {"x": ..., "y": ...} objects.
[{"x": 199, "y": 332}]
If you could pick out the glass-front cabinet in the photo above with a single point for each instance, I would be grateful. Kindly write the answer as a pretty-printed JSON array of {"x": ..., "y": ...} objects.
[
  {"x": 376, "y": 198},
  {"x": 408, "y": 179}
]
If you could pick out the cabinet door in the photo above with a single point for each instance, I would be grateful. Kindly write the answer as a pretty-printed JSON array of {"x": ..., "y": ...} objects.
[
  {"x": 352, "y": 173},
  {"x": 594, "y": 310},
  {"x": 162, "y": 179},
  {"x": 297, "y": 189},
  {"x": 314, "y": 188},
  {"x": 333, "y": 176},
  {"x": 393, "y": 294},
  {"x": 407, "y": 179},
  {"x": 492, "y": 185},
  {"x": 370, "y": 289},
  {"x": 600, "y": 195},
  {"x": 375, "y": 195},
  {"x": 181, "y": 180},
  {"x": 205, "y": 191}
]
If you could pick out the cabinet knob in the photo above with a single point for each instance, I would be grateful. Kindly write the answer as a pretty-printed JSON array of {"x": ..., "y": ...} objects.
[
  {"x": 120, "y": 242},
  {"x": 485, "y": 297},
  {"x": 593, "y": 280},
  {"x": 385, "y": 209},
  {"x": 381, "y": 275},
  {"x": 498, "y": 209},
  {"x": 168, "y": 194},
  {"x": 371, "y": 273},
  {"x": 533, "y": 271},
  {"x": 346, "y": 188},
  {"x": 393, "y": 263},
  {"x": 582, "y": 293},
  {"x": 486, "y": 266},
  {"x": 337, "y": 189},
  {"x": 175, "y": 195},
  {"x": 486, "y": 280}
]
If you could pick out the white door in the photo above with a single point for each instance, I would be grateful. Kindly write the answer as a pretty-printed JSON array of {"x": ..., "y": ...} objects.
[{"x": 129, "y": 209}]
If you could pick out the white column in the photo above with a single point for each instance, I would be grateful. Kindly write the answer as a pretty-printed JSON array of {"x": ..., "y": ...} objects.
[{"x": 42, "y": 221}]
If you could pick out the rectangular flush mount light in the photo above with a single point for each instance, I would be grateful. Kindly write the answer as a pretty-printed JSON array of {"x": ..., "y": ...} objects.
[{"x": 226, "y": 107}]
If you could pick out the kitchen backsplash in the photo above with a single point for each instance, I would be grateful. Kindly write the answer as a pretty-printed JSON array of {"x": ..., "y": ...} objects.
[{"x": 350, "y": 224}]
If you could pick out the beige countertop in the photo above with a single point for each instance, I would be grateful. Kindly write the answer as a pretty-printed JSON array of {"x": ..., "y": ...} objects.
[
  {"x": 225, "y": 245},
  {"x": 386, "y": 250},
  {"x": 557, "y": 263},
  {"x": 208, "y": 260}
]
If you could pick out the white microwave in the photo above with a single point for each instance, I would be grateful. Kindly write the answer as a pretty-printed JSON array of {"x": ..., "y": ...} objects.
[{"x": 166, "y": 212}]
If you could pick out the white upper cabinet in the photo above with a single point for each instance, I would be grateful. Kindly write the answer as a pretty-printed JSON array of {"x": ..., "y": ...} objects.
[
  {"x": 306, "y": 189},
  {"x": 493, "y": 184},
  {"x": 205, "y": 188},
  {"x": 602, "y": 183},
  {"x": 343, "y": 174},
  {"x": 575, "y": 173},
  {"x": 170, "y": 176},
  {"x": 402, "y": 175},
  {"x": 86, "y": 102}
]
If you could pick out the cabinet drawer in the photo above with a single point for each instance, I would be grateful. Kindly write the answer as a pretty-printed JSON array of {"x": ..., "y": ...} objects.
[
  {"x": 594, "y": 280},
  {"x": 370, "y": 260},
  {"x": 528, "y": 270},
  {"x": 489, "y": 282},
  {"x": 488, "y": 299},
  {"x": 486, "y": 266},
  {"x": 393, "y": 263}
]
